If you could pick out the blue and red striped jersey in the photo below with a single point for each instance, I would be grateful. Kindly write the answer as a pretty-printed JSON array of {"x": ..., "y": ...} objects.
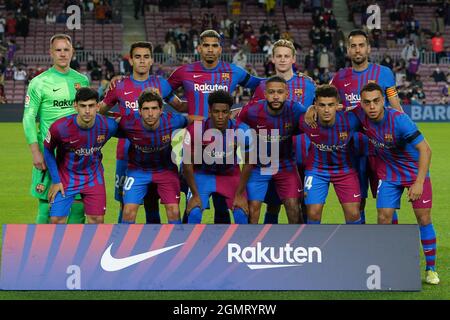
[
  {"x": 257, "y": 117},
  {"x": 301, "y": 89},
  {"x": 151, "y": 149},
  {"x": 222, "y": 154},
  {"x": 301, "y": 146},
  {"x": 331, "y": 147},
  {"x": 78, "y": 150},
  {"x": 350, "y": 82},
  {"x": 198, "y": 82},
  {"x": 126, "y": 93},
  {"x": 394, "y": 139}
]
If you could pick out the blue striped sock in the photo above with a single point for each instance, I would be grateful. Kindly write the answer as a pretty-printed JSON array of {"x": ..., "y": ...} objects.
[
  {"x": 428, "y": 239},
  {"x": 127, "y": 222},
  {"x": 270, "y": 218},
  {"x": 152, "y": 217},
  {"x": 359, "y": 221},
  {"x": 313, "y": 221},
  {"x": 395, "y": 218},
  {"x": 362, "y": 213},
  {"x": 195, "y": 216},
  {"x": 175, "y": 221},
  {"x": 239, "y": 216}
]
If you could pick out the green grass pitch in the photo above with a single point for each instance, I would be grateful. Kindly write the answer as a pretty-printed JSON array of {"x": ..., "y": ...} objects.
[{"x": 17, "y": 206}]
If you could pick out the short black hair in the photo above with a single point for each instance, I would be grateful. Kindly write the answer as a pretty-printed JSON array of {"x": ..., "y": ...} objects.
[
  {"x": 149, "y": 96},
  {"x": 358, "y": 32},
  {"x": 371, "y": 86},
  {"x": 276, "y": 79},
  {"x": 141, "y": 44},
  {"x": 85, "y": 94},
  {"x": 220, "y": 96},
  {"x": 327, "y": 91}
]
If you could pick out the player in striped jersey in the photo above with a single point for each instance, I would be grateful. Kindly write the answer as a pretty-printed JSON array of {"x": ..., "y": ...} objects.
[
  {"x": 200, "y": 78},
  {"x": 349, "y": 82},
  {"x": 404, "y": 158},
  {"x": 329, "y": 158},
  {"x": 77, "y": 168},
  {"x": 301, "y": 89},
  {"x": 125, "y": 94}
]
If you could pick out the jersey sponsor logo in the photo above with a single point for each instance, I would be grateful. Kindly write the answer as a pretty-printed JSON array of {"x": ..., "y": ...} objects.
[
  {"x": 101, "y": 138},
  {"x": 109, "y": 263},
  {"x": 225, "y": 76},
  {"x": 259, "y": 257},
  {"x": 388, "y": 137},
  {"x": 352, "y": 98},
  {"x": 208, "y": 88},
  {"x": 63, "y": 104},
  {"x": 343, "y": 135},
  {"x": 298, "y": 92},
  {"x": 132, "y": 105},
  {"x": 86, "y": 151},
  {"x": 329, "y": 148}
]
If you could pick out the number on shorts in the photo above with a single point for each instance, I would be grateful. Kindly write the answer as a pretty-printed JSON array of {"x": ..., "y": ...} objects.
[
  {"x": 128, "y": 183},
  {"x": 308, "y": 182},
  {"x": 379, "y": 185},
  {"x": 119, "y": 181}
]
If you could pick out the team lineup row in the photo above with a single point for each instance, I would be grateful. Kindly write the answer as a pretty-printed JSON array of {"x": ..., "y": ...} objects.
[{"x": 329, "y": 144}]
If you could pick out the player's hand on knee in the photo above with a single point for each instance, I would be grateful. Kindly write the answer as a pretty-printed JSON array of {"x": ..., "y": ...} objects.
[
  {"x": 241, "y": 202},
  {"x": 194, "y": 202},
  {"x": 54, "y": 189},
  {"x": 415, "y": 191}
]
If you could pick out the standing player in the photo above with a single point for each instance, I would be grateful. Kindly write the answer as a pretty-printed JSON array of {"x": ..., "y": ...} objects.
[
  {"x": 50, "y": 97},
  {"x": 275, "y": 120},
  {"x": 77, "y": 168},
  {"x": 149, "y": 156},
  {"x": 301, "y": 89},
  {"x": 404, "y": 160},
  {"x": 220, "y": 172},
  {"x": 125, "y": 93},
  {"x": 349, "y": 82},
  {"x": 329, "y": 158},
  {"x": 201, "y": 78}
]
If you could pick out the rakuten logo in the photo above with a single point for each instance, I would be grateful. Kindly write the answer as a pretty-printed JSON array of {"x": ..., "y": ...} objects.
[
  {"x": 208, "y": 88},
  {"x": 131, "y": 105},
  {"x": 260, "y": 257},
  {"x": 352, "y": 98}
]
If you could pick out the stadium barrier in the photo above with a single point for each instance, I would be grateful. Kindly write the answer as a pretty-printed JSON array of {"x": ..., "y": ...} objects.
[{"x": 210, "y": 257}]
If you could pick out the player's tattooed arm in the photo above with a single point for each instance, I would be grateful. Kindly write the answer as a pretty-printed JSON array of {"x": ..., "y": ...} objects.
[{"x": 311, "y": 117}]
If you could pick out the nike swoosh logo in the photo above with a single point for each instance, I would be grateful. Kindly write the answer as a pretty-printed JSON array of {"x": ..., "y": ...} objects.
[
  {"x": 426, "y": 201},
  {"x": 197, "y": 76},
  {"x": 137, "y": 139},
  {"x": 127, "y": 93},
  {"x": 347, "y": 84},
  {"x": 356, "y": 195},
  {"x": 299, "y": 190},
  {"x": 109, "y": 263},
  {"x": 260, "y": 127},
  {"x": 74, "y": 141},
  {"x": 54, "y": 90},
  {"x": 315, "y": 135}
]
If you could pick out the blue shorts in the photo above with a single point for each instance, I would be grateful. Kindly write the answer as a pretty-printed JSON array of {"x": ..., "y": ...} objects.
[
  {"x": 138, "y": 182},
  {"x": 360, "y": 164},
  {"x": 121, "y": 169},
  {"x": 93, "y": 198},
  {"x": 390, "y": 194}
]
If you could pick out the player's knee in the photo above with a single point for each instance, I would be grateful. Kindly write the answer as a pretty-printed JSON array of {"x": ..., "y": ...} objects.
[
  {"x": 423, "y": 217},
  {"x": 173, "y": 212},
  {"x": 58, "y": 220},
  {"x": 95, "y": 219},
  {"x": 385, "y": 216}
]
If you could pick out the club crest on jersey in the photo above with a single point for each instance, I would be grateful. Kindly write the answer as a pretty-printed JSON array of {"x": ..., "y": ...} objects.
[
  {"x": 388, "y": 137},
  {"x": 225, "y": 76},
  {"x": 77, "y": 86},
  {"x": 101, "y": 138},
  {"x": 298, "y": 92},
  {"x": 343, "y": 135},
  {"x": 40, "y": 188},
  {"x": 27, "y": 100},
  {"x": 155, "y": 90},
  {"x": 288, "y": 126},
  {"x": 165, "y": 138}
]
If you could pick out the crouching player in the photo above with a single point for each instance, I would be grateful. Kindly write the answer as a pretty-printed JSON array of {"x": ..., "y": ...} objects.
[
  {"x": 149, "y": 156},
  {"x": 77, "y": 168},
  {"x": 329, "y": 158},
  {"x": 217, "y": 139},
  {"x": 404, "y": 160}
]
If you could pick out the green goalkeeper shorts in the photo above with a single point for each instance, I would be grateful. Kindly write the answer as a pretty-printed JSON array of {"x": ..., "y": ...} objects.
[{"x": 40, "y": 184}]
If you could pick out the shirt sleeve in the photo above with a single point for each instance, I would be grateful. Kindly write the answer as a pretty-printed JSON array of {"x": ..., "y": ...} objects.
[
  {"x": 258, "y": 94},
  {"x": 113, "y": 127},
  {"x": 246, "y": 79},
  {"x": 166, "y": 90},
  {"x": 33, "y": 101},
  {"x": 50, "y": 143},
  {"x": 243, "y": 115},
  {"x": 388, "y": 78},
  {"x": 310, "y": 93},
  {"x": 111, "y": 98},
  {"x": 175, "y": 79},
  {"x": 180, "y": 121},
  {"x": 407, "y": 130}
]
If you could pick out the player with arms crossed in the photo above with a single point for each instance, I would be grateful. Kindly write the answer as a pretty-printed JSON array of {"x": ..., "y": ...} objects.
[
  {"x": 349, "y": 82},
  {"x": 329, "y": 158},
  {"x": 125, "y": 93},
  {"x": 220, "y": 172},
  {"x": 149, "y": 156},
  {"x": 203, "y": 77},
  {"x": 50, "y": 97},
  {"x": 404, "y": 161},
  {"x": 77, "y": 168},
  {"x": 301, "y": 89},
  {"x": 265, "y": 116}
]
